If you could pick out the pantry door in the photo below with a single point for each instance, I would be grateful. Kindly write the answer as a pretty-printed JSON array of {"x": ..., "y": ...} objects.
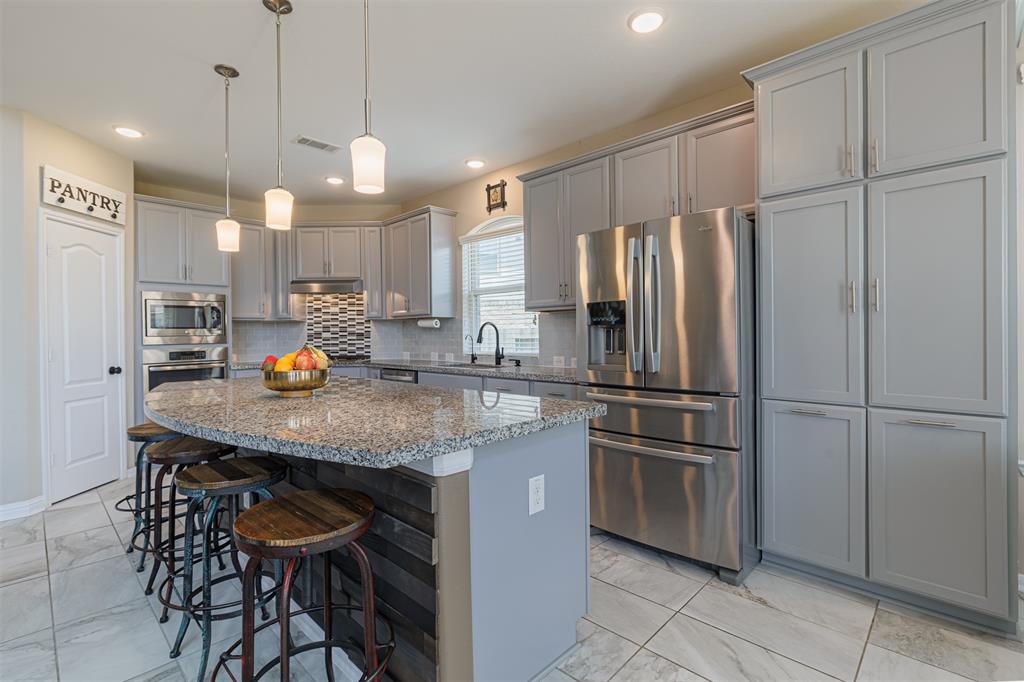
[{"x": 83, "y": 304}]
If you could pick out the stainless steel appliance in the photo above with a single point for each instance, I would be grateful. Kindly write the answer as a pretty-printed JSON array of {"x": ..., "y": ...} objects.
[
  {"x": 160, "y": 365},
  {"x": 406, "y": 376},
  {"x": 665, "y": 332},
  {"x": 174, "y": 317}
]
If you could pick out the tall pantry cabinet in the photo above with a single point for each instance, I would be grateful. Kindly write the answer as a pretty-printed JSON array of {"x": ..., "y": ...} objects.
[{"x": 888, "y": 308}]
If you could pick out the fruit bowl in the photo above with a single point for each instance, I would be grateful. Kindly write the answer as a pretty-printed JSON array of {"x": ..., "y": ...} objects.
[{"x": 298, "y": 383}]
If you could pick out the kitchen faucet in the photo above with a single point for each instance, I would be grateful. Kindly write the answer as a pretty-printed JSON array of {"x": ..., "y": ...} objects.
[
  {"x": 472, "y": 349},
  {"x": 499, "y": 352}
]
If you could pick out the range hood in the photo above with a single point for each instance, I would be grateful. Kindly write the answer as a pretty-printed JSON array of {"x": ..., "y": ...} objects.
[{"x": 326, "y": 286}]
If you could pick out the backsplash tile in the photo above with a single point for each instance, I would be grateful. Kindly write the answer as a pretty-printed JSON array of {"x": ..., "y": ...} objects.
[
  {"x": 252, "y": 341},
  {"x": 337, "y": 324}
]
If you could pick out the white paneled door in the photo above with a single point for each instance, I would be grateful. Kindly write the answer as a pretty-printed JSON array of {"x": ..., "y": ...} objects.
[{"x": 83, "y": 304}]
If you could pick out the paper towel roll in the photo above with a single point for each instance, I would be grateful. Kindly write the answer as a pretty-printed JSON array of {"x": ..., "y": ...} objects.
[{"x": 429, "y": 324}]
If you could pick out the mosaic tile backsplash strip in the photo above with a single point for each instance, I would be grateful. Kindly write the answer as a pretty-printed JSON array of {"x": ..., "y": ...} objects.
[{"x": 337, "y": 324}]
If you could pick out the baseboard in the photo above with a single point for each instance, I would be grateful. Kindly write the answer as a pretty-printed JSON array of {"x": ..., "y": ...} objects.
[{"x": 19, "y": 510}]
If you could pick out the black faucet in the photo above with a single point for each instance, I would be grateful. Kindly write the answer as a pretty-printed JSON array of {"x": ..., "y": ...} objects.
[
  {"x": 472, "y": 349},
  {"x": 499, "y": 352}
]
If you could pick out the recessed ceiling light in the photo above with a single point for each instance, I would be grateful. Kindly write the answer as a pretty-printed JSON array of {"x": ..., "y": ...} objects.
[
  {"x": 474, "y": 163},
  {"x": 334, "y": 180},
  {"x": 646, "y": 20},
  {"x": 128, "y": 132}
]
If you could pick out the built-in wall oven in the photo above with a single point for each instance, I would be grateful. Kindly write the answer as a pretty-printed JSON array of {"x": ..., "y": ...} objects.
[
  {"x": 175, "y": 317},
  {"x": 160, "y": 365}
]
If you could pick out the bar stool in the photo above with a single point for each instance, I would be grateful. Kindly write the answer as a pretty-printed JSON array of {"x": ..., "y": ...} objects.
[
  {"x": 211, "y": 484},
  {"x": 146, "y": 433},
  {"x": 174, "y": 455},
  {"x": 293, "y": 526}
]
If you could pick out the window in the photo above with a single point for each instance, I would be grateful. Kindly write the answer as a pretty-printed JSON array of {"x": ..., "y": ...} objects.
[{"x": 493, "y": 288}]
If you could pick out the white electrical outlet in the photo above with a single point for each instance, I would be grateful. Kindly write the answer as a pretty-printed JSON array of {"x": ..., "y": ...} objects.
[
  {"x": 558, "y": 361},
  {"x": 433, "y": 357},
  {"x": 536, "y": 494}
]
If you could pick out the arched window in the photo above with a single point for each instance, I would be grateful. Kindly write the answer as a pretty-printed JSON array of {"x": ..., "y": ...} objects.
[{"x": 493, "y": 287}]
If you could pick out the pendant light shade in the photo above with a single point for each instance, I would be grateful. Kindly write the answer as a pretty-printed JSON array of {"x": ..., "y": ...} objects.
[
  {"x": 228, "y": 230},
  {"x": 228, "y": 235},
  {"x": 279, "y": 208},
  {"x": 278, "y": 200},
  {"x": 368, "y": 164}
]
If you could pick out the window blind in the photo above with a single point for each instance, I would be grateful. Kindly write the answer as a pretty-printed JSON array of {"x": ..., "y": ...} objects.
[{"x": 493, "y": 290}]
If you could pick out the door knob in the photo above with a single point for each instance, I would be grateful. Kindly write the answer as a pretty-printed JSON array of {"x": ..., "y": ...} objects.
[{"x": 114, "y": 370}]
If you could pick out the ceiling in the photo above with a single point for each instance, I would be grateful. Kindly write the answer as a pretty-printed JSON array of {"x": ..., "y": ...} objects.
[{"x": 450, "y": 79}]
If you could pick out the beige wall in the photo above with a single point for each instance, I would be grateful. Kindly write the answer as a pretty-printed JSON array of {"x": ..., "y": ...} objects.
[{"x": 30, "y": 143}]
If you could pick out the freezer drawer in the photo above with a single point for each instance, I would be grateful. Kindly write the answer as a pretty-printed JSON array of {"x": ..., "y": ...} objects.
[
  {"x": 708, "y": 420},
  {"x": 677, "y": 498}
]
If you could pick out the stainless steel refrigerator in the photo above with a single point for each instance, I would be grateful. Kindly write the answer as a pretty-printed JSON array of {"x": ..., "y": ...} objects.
[{"x": 665, "y": 337}]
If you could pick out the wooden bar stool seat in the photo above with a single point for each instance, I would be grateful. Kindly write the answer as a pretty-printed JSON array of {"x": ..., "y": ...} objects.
[
  {"x": 229, "y": 474},
  {"x": 150, "y": 432},
  {"x": 187, "y": 450}
]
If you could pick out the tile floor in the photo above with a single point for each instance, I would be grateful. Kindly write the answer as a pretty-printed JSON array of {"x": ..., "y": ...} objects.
[{"x": 72, "y": 608}]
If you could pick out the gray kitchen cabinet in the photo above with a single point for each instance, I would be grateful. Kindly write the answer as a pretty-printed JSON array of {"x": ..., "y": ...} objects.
[
  {"x": 938, "y": 507},
  {"x": 812, "y": 303},
  {"x": 586, "y": 202},
  {"x": 248, "y": 275},
  {"x": 161, "y": 243},
  {"x": 939, "y": 94},
  {"x": 420, "y": 275},
  {"x": 647, "y": 182},
  {"x": 206, "y": 264},
  {"x": 716, "y": 165},
  {"x": 553, "y": 389},
  {"x": 937, "y": 272},
  {"x": 814, "y": 477},
  {"x": 344, "y": 252},
  {"x": 349, "y": 371},
  {"x": 419, "y": 265},
  {"x": 399, "y": 257},
  {"x": 373, "y": 275},
  {"x": 284, "y": 304},
  {"x": 451, "y": 381},
  {"x": 245, "y": 373},
  {"x": 311, "y": 245},
  {"x": 514, "y": 386},
  {"x": 810, "y": 125},
  {"x": 543, "y": 236}
]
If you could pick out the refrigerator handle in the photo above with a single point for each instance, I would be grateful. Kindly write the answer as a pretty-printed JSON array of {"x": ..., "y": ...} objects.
[
  {"x": 652, "y": 304},
  {"x": 634, "y": 336}
]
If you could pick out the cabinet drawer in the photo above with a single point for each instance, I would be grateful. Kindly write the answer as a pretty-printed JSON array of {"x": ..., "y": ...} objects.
[
  {"x": 550, "y": 389},
  {"x": 353, "y": 372},
  {"x": 507, "y": 386},
  {"x": 451, "y": 381}
]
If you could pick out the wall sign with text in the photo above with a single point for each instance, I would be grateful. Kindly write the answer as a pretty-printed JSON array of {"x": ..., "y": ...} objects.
[{"x": 82, "y": 196}]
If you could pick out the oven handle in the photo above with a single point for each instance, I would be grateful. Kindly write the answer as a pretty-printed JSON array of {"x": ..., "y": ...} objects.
[
  {"x": 654, "y": 452},
  {"x": 186, "y": 367},
  {"x": 653, "y": 402}
]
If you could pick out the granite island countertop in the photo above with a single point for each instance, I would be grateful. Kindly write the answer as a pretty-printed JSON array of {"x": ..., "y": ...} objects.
[
  {"x": 561, "y": 375},
  {"x": 365, "y": 422}
]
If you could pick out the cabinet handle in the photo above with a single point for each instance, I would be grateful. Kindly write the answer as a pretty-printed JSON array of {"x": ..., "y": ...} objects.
[
  {"x": 874, "y": 155},
  {"x": 553, "y": 394},
  {"x": 814, "y": 413},
  {"x": 930, "y": 422},
  {"x": 184, "y": 272},
  {"x": 850, "y": 161},
  {"x": 689, "y": 202},
  {"x": 877, "y": 288},
  {"x": 853, "y": 296},
  {"x": 672, "y": 206}
]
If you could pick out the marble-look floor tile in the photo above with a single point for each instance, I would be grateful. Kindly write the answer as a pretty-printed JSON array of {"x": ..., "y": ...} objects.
[
  {"x": 124, "y": 530},
  {"x": 80, "y": 500},
  {"x": 816, "y": 582},
  {"x": 624, "y": 613},
  {"x": 75, "y": 519},
  {"x": 267, "y": 643},
  {"x": 29, "y": 658},
  {"x": 946, "y": 624},
  {"x": 821, "y": 648},
  {"x": 977, "y": 656},
  {"x": 719, "y": 656},
  {"x": 664, "y": 587},
  {"x": 21, "y": 531},
  {"x": 169, "y": 672},
  {"x": 79, "y": 592},
  {"x": 116, "y": 490},
  {"x": 646, "y": 666},
  {"x": 600, "y": 655},
  {"x": 313, "y": 662},
  {"x": 221, "y": 630},
  {"x": 24, "y": 608},
  {"x": 602, "y": 559},
  {"x": 80, "y": 549},
  {"x": 22, "y": 563},
  {"x": 843, "y": 615},
  {"x": 554, "y": 675},
  {"x": 882, "y": 665},
  {"x": 116, "y": 644},
  {"x": 662, "y": 560}
]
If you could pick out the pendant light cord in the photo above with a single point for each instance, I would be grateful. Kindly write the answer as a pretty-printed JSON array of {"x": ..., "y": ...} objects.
[
  {"x": 366, "y": 65},
  {"x": 280, "y": 167},
  {"x": 227, "y": 151}
]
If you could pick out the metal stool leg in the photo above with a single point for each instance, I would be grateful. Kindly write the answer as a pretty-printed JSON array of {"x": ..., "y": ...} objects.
[
  {"x": 157, "y": 534},
  {"x": 186, "y": 589},
  {"x": 249, "y": 616},
  {"x": 369, "y": 619},
  {"x": 137, "y": 512},
  {"x": 207, "y": 587},
  {"x": 147, "y": 515},
  {"x": 328, "y": 619},
  {"x": 284, "y": 615},
  {"x": 172, "y": 531}
]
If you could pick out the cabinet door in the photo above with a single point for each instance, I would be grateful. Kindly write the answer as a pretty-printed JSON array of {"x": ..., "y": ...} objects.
[
  {"x": 248, "y": 287},
  {"x": 809, "y": 125},
  {"x": 815, "y": 483},
  {"x": 284, "y": 306},
  {"x": 513, "y": 386},
  {"x": 542, "y": 235},
  {"x": 939, "y": 94},
  {"x": 552, "y": 389},
  {"x": 345, "y": 252},
  {"x": 161, "y": 243},
  {"x": 419, "y": 265},
  {"x": 451, "y": 381},
  {"x": 812, "y": 303},
  {"x": 938, "y": 507},
  {"x": 586, "y": 208},
  {"x": 372, "y": 271},
  {"x": 311, "y": 245},
  {"x": 717, "y": 165},
  {"x": 398, "y": 268},
  {"x": 937, "y": 269},
  {"x": 647, "y": 182},
  {"x": 206, "y": 264}
]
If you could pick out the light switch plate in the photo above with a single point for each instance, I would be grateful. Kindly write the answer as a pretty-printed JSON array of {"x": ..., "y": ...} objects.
[
  {"x": 558, "y": 361},
  {"x": 536, "y": 494}
]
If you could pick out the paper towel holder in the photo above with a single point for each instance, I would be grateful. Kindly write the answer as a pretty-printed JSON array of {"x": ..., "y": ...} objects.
[{"x": 430, "y": 323}]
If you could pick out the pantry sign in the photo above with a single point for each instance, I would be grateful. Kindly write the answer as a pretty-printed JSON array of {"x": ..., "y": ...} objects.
[{"x": 77, "y": 194}]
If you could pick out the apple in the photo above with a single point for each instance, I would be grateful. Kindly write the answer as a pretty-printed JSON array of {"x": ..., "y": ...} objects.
[{"x": 305, "y": 360}]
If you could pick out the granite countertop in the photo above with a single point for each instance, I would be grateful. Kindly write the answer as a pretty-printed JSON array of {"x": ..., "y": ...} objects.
[
  {"x": 336, "y": 361},
  {"x": 562, "y": 375},
  {"x": 365, "y": 422}
]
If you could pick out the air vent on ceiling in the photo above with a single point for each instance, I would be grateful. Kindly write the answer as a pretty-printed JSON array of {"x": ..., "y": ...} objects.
[{"x": 316, "y": 144}]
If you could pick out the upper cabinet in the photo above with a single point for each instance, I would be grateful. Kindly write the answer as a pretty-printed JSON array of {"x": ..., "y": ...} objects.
[
  {"x": 586, "y": 207},
  {"x": 178, "y": 245},
  {"x": 716, "y": 165},
  {"x": 938, "y": 94},
  {"x": 419, "y": 252},
  {"x": 328, "y": 252},
  {"x": 373, "y": 273},
  {"x": 248, "y": 274},
  {"x": 810, "y": 127},
  {"x": 647, "y": 182}
]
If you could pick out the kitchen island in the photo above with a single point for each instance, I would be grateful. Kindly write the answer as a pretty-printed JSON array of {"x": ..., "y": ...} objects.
[{"x": 476, "y": 586}]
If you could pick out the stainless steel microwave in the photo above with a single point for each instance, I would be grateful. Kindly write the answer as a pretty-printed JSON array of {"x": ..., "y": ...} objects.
[{"x": 174, "y": 317}]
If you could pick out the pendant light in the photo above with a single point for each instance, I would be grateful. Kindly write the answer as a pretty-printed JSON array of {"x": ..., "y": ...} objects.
[
  {"x": 367, "y": 151},
  {"x": 278, "y": 199},
  {"x": 228, "y": 230}
]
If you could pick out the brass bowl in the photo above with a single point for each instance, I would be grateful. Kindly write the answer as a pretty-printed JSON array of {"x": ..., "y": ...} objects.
[{"x": 299, "y": 383}]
